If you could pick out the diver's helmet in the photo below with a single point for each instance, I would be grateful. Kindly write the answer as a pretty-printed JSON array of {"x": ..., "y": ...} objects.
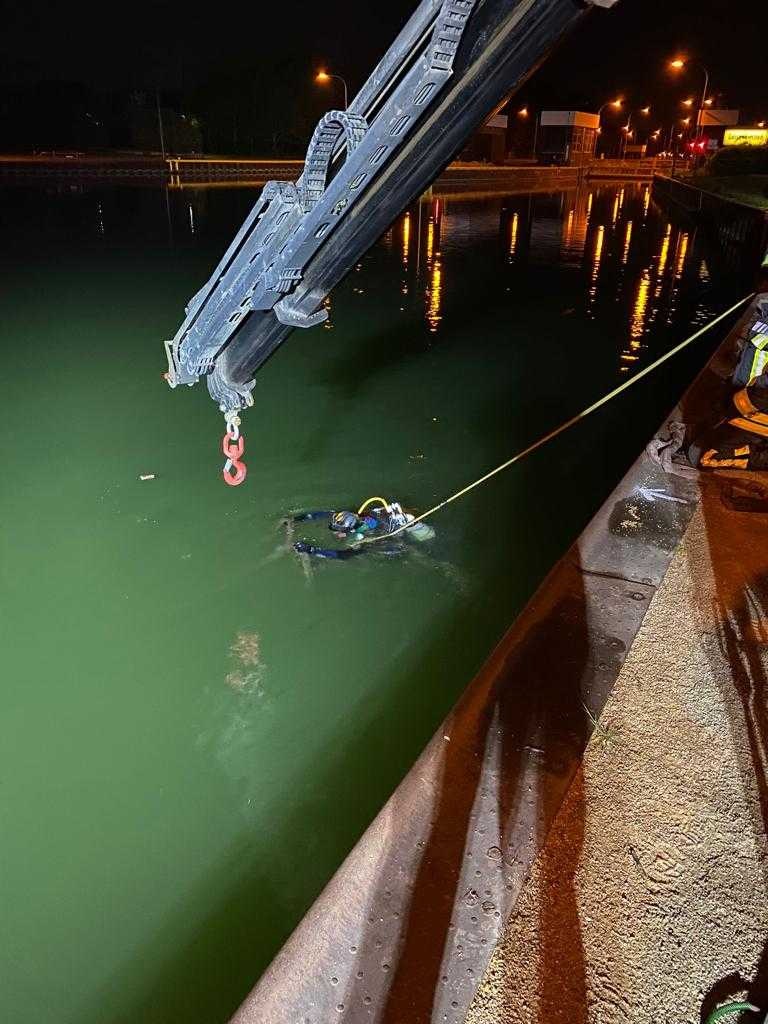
[{"x": 343, "y": 522}]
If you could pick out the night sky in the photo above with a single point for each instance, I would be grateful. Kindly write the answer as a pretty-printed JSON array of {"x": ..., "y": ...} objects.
[{"x": 252, "y": 63}]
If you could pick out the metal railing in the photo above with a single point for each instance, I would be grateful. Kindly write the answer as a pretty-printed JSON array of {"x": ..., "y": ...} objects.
[{"x": 642, "y": 168}]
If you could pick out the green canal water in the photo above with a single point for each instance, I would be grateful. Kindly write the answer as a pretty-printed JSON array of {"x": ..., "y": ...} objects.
[{"x": 196, "y": 728}]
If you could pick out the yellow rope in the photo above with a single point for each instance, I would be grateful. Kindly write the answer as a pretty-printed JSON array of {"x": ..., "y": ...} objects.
[{"x": 571, "y": 422}]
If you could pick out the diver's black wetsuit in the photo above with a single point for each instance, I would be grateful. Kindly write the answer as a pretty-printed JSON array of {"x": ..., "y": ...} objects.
[
  {"x": 373, "y": 526},
  {"x": 340, "y": 554}
]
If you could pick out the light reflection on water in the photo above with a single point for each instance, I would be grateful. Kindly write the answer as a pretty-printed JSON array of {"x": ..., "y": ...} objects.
[
  {"x": 627, "y": 241},
  {"x": 513, "y": 226},
  {"x": 628, "y": 253}
]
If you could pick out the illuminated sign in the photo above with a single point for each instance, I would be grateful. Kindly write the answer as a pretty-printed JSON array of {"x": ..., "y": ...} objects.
[{"x": 745, "y": 137}]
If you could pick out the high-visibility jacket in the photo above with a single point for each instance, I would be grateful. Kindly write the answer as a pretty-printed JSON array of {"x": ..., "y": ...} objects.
[
  {"x": 751, "y": 417},
  {"x": 726, "y": 456},
  {"x": 754, "y": 359}
]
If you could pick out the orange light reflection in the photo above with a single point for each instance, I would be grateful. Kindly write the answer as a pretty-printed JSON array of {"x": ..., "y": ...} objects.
[
  {"x": 627, "y": 240},
  {"x": 640, "y": 310},
  {"x": 513, "y": 225},
  {"x": 435, "y": 297}
]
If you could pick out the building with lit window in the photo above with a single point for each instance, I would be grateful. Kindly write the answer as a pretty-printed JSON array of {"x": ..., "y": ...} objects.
[{"x": 566, "y": 137}]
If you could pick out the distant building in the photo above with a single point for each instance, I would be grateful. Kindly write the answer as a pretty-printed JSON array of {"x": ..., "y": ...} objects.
[
  {"x": 566, "y": 137},
  {"x": 489, "y": 143}
]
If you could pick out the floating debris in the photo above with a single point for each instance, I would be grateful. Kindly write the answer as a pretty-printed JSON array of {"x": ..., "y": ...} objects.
[
  {"x": 247, "y": 678},
  {"x": 237, "y": 681},
  {"x": 146, "y": 476},
  {"x": 245, "y": 682},
  {"x": 247, "y": 649}
]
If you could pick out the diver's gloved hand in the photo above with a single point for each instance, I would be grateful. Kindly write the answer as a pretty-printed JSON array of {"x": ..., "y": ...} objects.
[
  {"x": 303, "y": 547},
  {"x": 305, "y": 517}
]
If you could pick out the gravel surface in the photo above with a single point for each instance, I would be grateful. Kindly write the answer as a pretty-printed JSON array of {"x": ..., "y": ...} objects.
[{"x": 648, "y": 902}]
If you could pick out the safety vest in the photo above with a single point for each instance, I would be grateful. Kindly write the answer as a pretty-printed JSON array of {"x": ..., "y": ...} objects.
[
  {"x": 754, "y": 359},
  {"x": 726, "y": 457},
  {"x": 760, "y": 345},
  {"x": 750, "y": 418}
]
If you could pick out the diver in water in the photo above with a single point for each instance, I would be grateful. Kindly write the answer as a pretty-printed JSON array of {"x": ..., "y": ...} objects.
[{"x": 376, "y": 519}]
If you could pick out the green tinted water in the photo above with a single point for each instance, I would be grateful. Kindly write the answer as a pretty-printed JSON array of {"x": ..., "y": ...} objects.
[{"x": 195, "y": 727}]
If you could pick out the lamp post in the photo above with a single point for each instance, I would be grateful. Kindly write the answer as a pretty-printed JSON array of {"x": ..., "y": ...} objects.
[
  {"x": 523, "y": 114},
  {"x": 610, "y": 103},
  {"x": 616, "y": 104},
  {"x": 627, "y": 128},
  {"x": 678, "y": 64},
  {"x": 645, "y": 111},
  {"x": 324, "y": 76},
  {"x": 686, "y": 123},
  {"x": 160, "y": 122}
]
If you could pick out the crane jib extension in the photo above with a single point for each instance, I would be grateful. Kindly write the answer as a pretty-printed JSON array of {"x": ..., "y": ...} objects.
[{"x": 453, "y": 63}]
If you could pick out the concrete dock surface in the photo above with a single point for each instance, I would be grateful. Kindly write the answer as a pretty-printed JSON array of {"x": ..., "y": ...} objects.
[{"x": 648, "y": 900}]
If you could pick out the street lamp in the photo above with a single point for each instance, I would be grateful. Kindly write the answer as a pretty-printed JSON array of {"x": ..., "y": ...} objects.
[
  {"x": 523, "y": 112},
  {"x": 616, "y": 104},
  {"x": 627, "y": 128},
  {"x": 324, "y": 76},
  {"x": 677, "y": 65},
  {"x": 686, "y": 123}
]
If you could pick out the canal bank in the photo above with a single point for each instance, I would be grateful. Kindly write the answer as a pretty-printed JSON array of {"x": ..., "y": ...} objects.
[
  {"x": 180, "y": 172},
  {"x": 738, "y": 230},
  {"x": 640, "y": 902}
]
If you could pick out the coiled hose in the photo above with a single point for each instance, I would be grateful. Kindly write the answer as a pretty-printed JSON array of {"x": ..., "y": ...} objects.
[{"x": 729, "y": 1008}]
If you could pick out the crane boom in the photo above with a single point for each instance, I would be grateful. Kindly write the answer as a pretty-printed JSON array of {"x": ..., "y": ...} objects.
[{"x": 452, "y": 63}]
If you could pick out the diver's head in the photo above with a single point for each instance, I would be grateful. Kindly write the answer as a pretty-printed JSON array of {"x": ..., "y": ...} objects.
[{"x": 344, "y": 522}]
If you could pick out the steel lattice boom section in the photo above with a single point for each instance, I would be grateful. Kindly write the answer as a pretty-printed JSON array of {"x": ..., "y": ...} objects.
[{"x": 261, "y": 288}]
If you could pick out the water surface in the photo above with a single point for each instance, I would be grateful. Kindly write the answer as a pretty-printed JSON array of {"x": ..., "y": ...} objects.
[{"x": 197, "y": 726}]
